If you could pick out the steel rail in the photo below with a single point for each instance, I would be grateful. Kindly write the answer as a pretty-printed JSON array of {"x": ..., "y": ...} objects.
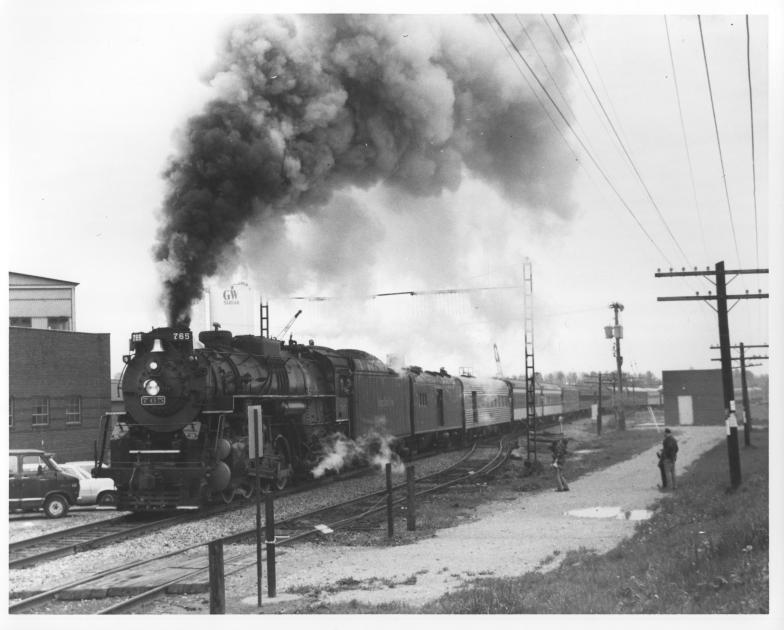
[{"x": 69, "y": 548}]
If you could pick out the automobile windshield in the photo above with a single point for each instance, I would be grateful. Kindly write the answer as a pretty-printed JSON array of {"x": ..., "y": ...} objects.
[
  {"x": 75, "y": 471},
  {"x": 52, "y": 464}
]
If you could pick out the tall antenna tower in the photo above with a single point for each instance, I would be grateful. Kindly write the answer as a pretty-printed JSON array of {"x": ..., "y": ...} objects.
[{"x": 530, "y": 373}]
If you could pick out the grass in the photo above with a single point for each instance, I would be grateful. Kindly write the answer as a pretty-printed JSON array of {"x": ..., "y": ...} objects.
[{"x": 705, "y": 551}]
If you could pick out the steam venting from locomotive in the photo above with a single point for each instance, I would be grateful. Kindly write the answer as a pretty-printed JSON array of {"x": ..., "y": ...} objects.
[
  {"x": 373, "y": 449},
  {"x": 310, "y": 105}
]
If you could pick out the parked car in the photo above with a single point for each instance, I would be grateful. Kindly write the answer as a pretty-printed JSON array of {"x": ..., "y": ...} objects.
[
  {"x": 92, "y": 490},
  {"x": 35, "y": 482}
]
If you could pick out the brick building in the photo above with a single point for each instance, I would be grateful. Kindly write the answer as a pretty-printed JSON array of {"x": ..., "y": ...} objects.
[
  {"x": 58, "y": 379},
  {"x": 693, "y": 397},
  {"x": 58, "y": 390}
]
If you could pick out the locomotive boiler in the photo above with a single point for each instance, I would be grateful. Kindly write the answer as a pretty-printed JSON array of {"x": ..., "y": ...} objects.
[{"x": 183, "y": 440}]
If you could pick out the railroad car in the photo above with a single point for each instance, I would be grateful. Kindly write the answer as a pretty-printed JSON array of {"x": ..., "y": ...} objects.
[
  {"x": 436, "y": 407},
  {"x": 487, "y": 404}
]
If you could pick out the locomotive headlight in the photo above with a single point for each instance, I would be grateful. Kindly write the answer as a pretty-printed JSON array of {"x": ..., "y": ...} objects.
[
  {"x": 153, "y": 366},
  {"x": 152, "y": 387}
]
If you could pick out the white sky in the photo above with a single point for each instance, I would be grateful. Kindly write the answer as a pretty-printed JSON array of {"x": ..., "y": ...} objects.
[{"x": 97, "y": 90}]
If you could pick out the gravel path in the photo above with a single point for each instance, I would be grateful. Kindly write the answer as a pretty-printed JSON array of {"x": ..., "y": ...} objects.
[{"x": 506, "y": 539}]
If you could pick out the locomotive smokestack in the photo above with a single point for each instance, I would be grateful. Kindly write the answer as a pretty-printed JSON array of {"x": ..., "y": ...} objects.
[{"x": 309, "y": 105}]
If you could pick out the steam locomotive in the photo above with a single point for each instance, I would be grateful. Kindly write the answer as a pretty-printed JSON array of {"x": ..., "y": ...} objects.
[{"x": 192, "y": 414}]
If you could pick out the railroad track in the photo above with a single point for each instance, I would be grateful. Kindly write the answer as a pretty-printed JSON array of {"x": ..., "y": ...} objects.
[
  {"x": 192, "y": 564},
  {"x": 32, "y": 551}
]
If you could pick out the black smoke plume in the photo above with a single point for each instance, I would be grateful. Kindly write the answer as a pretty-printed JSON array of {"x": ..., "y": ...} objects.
[{"x": 309, "y": 105}]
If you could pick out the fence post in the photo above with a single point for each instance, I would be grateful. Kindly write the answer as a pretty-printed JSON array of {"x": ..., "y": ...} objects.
[
  {"x": 390, "y": 525},
  {"x": 217, "y": 583},
  {"x": 411, "y": 516},
  {"x": 269, "y": 528}
]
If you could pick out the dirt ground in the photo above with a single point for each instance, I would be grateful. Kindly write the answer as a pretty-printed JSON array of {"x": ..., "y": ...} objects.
[{"x": 514, "y": 534}]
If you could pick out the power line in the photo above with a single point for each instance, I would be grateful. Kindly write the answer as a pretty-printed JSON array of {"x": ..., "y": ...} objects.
[
  {"x": 599, "y": 74},
  {"x": 560, "y": 93},
  {"x": 315, "y": 298},
  {"x": 620, "y": 141},
  {"x": 718, "y": 140},
  {"x": 579, "y": 83},
  {"x": 582, "y": 144},
  {"x": 685, "y": 139},
  {"x": 753, "y": 164},
  {"x": 549, "y": 74},
  {"x": 536, "y": 96}
]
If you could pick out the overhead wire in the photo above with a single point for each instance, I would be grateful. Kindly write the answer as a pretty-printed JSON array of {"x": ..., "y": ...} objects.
[
  {"x": 753, "y": 161},
  {"x": 599, "y": 74},
  {"x": 536, "y": 96},
  {"x": 620, "y": 141},
  {"x": 549, "y": 74},
  {"x": 685, "y": 137},
  {"x": 577, "y": 81},
  {"x": 582, "y": 144},
  {"x": 558, "y": 89},
  {"x": 718, "y": 140}
]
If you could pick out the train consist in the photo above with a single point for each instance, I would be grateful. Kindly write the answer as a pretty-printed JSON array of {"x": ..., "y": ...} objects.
[{"x": 183, "y": 440}]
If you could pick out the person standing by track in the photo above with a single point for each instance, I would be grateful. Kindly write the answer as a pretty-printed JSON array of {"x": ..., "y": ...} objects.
[
  {"x": 558, "y": 449},
  {"x": 669, "y": 454}
]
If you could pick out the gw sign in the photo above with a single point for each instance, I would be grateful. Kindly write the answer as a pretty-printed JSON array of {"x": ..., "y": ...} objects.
[{"x": 230, "y": 296}]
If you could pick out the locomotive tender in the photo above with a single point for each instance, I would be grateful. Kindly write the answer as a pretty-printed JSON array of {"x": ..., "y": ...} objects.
[{"x": 183, "y": 439}]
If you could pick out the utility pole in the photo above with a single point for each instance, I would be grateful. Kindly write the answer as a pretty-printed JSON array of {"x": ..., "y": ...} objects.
[
  {"x": 721, "y": 297},
  {"x": 744, "y": 387},
  {"x": 590, "y": 381},
  {"x": 599, "y": 408},
  {"x": 618, "y": 333}
]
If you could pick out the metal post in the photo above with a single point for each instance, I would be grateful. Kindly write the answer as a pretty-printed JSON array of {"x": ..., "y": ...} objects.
[
  {"x": 599, "y": 410},
  {"x": 731, "y": 421},
  {"x": 746, "y": 405},
  {"x": 411, "y": 516},
  {"x": 217, "y": 583},
  {"x": 269, "y": 528},
  {"x": 258, "y": 515},
  {"x": 390, "y": 525}
]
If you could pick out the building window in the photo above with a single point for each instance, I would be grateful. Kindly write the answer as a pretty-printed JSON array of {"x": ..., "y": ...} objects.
[
  {"x": 40, "y": 411},
  {"x": 23, "y": 322},
  {"x": 73, "y": 410},
  {"x": 10, "y": 411},
  {"x": 58, "y": 323}
]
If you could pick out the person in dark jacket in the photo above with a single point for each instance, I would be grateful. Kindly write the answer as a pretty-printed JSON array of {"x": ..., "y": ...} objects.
[
  {"x": 558, "y": 449},
  {"x": 660, "y": 465},
  {"x": 668, "y": 457}
]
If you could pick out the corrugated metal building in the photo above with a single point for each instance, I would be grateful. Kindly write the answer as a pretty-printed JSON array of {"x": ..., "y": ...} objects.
[
  {"x": 693, "y": 397},
  {"x": 37, "y": 302}
]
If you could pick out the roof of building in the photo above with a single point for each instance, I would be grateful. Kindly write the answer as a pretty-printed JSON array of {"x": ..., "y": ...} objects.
[{"x": 24, "y": 279}]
